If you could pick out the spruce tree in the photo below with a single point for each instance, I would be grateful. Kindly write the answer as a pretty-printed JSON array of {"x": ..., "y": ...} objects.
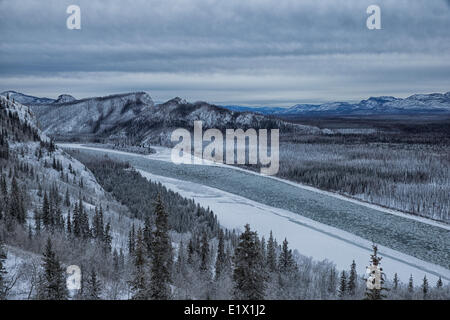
[
  {"x": 121, "y": 259},
  {"x": 264, "y": 251},
  {"x": 85, "y": 230},
  {"x": 93, "y": 287},
  {"x": 286, "y": 263},
  {"x": 425, "y": 288},
  {"x": 396, "y": 281},
  {"x": 248, "y": 276},
  {"x": 30, "y": 233},
  {"x": 4, "y": 188},
  {"x": 3, "y": 197},
  {"x": 45, "y": 215},
  {"x": 343, "y": 285},
  {"x": 439, "y": 283},
  {"x": 54, "y": 284},
  {"x": 221, "y": 257},
  {"x": 3, "y": 271},
  {"x": 161, "y": 255},
  {"x": 69, "y": 224},
  {"x": 287, "y": 272},
  {"x": 271, "y": 254},
  {"x": 76, "y": 228},
  {"x": 67, "y": 199},
  {"x": 148, "y": 234},
  {"x": 16, "y": 204},
  {"x": 204, "y": 253},
  {"x": 59, "y": 220},
  {"x": 191, "y": 251},
  {"x": 116, "y": 265},
  {"x": 131, "y": 240},
  {"x": 100, "y": 221},
  {"x": 411, "y": 284},
  {"x": 97, "y": 225},
  {"x": 107, "y": 238},
  {"x": 352, "y": 279}
]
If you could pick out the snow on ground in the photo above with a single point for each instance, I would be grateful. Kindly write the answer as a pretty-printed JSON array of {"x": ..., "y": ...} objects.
[
  {"x": 21, "y": 267},
  {"x": 309, "y": 237},
  {"x": 164, "y": 154}
]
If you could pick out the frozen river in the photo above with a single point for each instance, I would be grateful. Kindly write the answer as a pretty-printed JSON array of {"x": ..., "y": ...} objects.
[{"x": 315, "y": 223}]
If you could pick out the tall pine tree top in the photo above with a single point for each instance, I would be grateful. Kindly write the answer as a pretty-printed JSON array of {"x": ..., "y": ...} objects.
[
  {"x": 54, "y": 284},
  {"x": 161, "y": 255},
  {"x": 249, "y": 276},
  {"x": 3, "y": 272}
]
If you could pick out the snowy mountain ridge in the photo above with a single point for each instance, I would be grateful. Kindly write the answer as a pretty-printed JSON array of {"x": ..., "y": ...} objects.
[
  {"x": 133, "y": 118},
  {"x": 418, "y": 103}
]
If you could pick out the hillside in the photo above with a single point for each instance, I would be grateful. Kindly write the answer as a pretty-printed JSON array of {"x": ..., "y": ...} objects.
[
  {"x": 55, "y": 213},
  {"x": 45, "y": 191}
]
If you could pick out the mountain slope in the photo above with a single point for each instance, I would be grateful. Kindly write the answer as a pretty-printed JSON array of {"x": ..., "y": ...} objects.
[
  {"x": 69, "y": 118},
  {"x": 133, "y": 118},
  {"x": 45, "y": 173},
  {"x": 156, "y": 125}
]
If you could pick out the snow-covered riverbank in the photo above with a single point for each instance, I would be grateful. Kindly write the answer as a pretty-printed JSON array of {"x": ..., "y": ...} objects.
[
  {"x": 164, "y": 154},
  {"x": 309, "y": 236}
]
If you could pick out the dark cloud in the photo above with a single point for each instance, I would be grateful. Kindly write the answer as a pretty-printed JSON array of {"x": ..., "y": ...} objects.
[{"x": 284, "y": 42}]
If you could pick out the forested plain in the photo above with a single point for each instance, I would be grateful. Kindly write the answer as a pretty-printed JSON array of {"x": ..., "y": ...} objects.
[{"x": 399, "y": 162}]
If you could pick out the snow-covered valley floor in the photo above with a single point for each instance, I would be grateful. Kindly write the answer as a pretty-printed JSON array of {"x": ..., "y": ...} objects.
[{"x": 309, "y": 236}]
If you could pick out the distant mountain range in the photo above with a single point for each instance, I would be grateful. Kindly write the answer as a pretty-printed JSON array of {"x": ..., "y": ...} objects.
[
  {"x": 133, "y": 118},
  {"x": 418, "y": 103}
]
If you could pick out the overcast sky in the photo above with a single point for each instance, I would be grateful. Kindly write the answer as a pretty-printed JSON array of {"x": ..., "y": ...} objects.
[{"x": 249, "y": 52}]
